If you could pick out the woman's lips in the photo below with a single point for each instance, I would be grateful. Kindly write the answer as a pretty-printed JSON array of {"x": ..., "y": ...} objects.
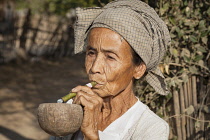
[{"x": 98, "y": 85}]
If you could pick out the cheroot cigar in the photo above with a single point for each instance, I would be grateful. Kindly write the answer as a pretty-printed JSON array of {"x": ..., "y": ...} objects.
[{"x": 71, "y": 95}]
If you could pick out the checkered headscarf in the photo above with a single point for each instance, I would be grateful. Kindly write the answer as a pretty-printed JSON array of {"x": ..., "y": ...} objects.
[{"x": 138, "y": 24}]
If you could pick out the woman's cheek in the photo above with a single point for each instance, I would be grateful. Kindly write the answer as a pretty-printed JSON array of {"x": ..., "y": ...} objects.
[
  {"x": 111, "y": 71},
  {"x": 113, "y": 89},
  {"x": 112, "y": 77},
  {"x": 88, "y": 64},
  {"x": 114, "y": 68}
]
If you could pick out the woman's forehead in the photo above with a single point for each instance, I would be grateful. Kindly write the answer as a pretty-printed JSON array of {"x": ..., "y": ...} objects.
[
  {"x": 107, "y": 40},
  {"x": 103, "y": 32}
]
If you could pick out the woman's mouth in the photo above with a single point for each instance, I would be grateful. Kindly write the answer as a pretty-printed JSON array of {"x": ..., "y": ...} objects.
[{"x": 98, "y": 85}]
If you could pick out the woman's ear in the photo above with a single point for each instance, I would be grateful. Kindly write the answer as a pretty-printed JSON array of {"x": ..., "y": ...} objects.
[{"x": 139, "y": 71}]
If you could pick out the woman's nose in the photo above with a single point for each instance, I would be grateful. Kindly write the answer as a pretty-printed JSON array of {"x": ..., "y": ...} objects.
[{"x": 97, "y": 66}]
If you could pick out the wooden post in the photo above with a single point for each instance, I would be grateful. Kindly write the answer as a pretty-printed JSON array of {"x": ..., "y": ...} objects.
[
  {"x": 194, "y": 91},
  {"x": 177, "y": 112},
  {"x": 36, "y": 29},
  {"x": 182, "y": 109},
  {"x": 21, "y": 48},
  {"x": 186, "y": 106},
  {"x": 201, "y": 114},
  {"x": 189, "y": 91},
  {"x": 194, "y": 100},
  {"x": 26, "y": 25}
]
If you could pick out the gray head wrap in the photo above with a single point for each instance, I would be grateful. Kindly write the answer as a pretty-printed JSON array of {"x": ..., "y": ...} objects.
[{"x": 138, "y": 24}]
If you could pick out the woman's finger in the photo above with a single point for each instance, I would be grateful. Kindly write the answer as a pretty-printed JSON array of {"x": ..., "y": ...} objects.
[
  {"x": 96, "y": 100},
  {"x": 84, "y": 89}
]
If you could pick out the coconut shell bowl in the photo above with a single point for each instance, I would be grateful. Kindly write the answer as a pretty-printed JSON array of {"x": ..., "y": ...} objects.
[{"x": 60, "y": 119}]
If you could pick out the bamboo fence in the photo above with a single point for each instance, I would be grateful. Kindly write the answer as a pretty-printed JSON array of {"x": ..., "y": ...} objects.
[
  {"x": 190, "y": 116},
  {"x": 33, "y": 36}
]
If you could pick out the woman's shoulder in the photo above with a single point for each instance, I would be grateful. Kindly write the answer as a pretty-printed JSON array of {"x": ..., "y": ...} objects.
[
  {"x": 150, "y": 117},
  {"x": 151, "y": 126}
]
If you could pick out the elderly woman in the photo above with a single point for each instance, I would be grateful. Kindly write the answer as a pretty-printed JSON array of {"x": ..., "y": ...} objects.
[{"x": 124, "y": 40}]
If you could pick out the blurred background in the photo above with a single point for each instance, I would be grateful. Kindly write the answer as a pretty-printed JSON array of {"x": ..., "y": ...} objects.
[{"x": 37, "y": 64}]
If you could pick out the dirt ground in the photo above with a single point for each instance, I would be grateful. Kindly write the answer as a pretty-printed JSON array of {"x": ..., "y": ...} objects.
[{"x": 24, "y": 86}]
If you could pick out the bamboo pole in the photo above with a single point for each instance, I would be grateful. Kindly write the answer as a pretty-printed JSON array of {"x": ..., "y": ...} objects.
[
  {"x": 194, "y": 91},
  {"x": 194, "y": 100},
  {"x": 186, "y": 106},
  {"x": 202, "y": 127},
  {"x": 201, "y": 114},
  {"x": 182, "y": 109},
  {"x": 26, "y": 25},
  {"x": 177, "y": 112},
  {"x": 190, "y": 99}
]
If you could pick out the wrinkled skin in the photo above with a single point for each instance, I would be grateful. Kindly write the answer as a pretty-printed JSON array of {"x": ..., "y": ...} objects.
[{"x": 109, "y": 63}]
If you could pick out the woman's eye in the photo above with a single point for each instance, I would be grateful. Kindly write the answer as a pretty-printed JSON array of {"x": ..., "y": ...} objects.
[
  {"x": 91, "y": 53},
  {"x": 110, "y": 57}
]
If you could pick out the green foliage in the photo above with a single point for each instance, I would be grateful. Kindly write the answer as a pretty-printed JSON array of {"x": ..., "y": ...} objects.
[
  {"x": 62, "y": 6},
  {"x": 36, "y": 6},
  {"x": 20, "y": 4},
  {"x": 188, "y": 22},
  {"x": 59, "y": 7}
]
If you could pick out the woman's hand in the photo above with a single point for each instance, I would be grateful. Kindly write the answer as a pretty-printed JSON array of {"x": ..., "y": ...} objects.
[{"x": 92, "y": 104}]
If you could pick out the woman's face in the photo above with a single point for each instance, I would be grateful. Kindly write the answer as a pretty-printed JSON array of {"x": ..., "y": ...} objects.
[{"x": 109, "y": 62}]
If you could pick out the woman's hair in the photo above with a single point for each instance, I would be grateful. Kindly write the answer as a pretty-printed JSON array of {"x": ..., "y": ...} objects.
[{"x": 136, "y": 58}]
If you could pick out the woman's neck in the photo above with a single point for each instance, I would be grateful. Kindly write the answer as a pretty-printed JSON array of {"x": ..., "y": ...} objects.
[{"x": 114, "y": 107}]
